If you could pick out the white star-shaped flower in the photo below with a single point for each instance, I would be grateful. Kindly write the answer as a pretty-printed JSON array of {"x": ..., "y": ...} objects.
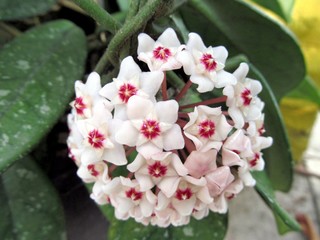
[
  {"x": 151, "y": 127},
  {"x": 207, "y": 128},
  {"x": 160, "y": 54},
  {"x": 205, "y": 65},
  {"x": 129, "y": 82}
]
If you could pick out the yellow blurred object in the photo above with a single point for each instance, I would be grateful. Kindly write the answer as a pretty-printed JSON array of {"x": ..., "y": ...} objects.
[
  {"x": 299, "y": 116},
  {"x": 305, "y": 24}
]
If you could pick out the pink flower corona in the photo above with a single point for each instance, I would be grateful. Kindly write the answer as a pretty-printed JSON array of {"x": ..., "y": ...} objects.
[{"x": 184, "y": 156}]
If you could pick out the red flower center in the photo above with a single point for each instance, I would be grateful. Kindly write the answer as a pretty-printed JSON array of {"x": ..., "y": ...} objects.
[
  {"x": 96, "y": 139},
  {"x": 79, "y": 105},
  {"x": 126, "y": 91},
  {"x": 230, "y": 196},
  {"x": 261, "y": 130},
  {"x": 254, "y": 161},
  {"x": 133, "y": 194},
  {"x": 92, "y": 170},
  {"x": 162, "y": 53},
  {"x": 157, "y": 169},
  {"x": 208, "y": 61},
  {"x": 150, "y": 129},
  {"x": 246, "y": 97},
  {"x": 183, "y": 194},
  {"x": 206, "y": 128}
]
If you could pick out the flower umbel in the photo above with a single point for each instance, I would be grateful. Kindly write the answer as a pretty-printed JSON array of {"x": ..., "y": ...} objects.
[{"x": 183, "y": 158}]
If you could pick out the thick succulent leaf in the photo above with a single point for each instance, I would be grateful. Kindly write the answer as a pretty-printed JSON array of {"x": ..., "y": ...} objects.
[
  {"x": 279, "y": 162},
  {"x": 17, "y": 9},
  {"x": 285, "y": 222},
  {"x": 242, "y": 28},
  {"x": 213, "y": 227},
  {"x": 307, "y": 90},
  {"x": 283, "y": 8},
  {"x": 30, "y": 208},
  {"x": 38, "y": 70}
]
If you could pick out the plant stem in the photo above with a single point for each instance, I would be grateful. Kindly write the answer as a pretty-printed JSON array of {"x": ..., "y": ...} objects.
[
  {"x": 127, "y": 31},
  {"x": 99, "y": 14},
  {"x": 183, "y": 91},
  {"x": 206, "y": 102}
]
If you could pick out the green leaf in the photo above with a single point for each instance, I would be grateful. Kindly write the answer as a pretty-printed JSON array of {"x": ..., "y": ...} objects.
[
  {"x": 278, "y": 158},
  {"x": 307, "y": 90},
  {"x": 38, "y": 70},
  {"x": 281, "y": 7},
  {"x": 213, "y": 227},
  {"x": 30, "y": 208},
  {"x": 285, "y": 222},
  {"x": 17, "y": 9},
  {"x": 245, "y": 30}
]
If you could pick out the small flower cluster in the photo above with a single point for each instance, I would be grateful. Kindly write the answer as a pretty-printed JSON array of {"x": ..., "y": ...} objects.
[{"x": 156, "y": 159}]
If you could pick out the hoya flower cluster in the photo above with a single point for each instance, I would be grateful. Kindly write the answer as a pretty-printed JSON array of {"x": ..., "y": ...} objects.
[{"x": 156, "y": 158}]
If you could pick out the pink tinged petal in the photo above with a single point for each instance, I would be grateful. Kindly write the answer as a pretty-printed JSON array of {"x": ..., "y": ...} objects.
[
  {"x": 173, "y": 139},
  {"x": 124, "y": 204},
  {"x": 195, "y": 42},
  {"x": 147, "y": 58},
  {"x": 169, "y": 38},
  {"x": 127, "y": 134},
  {"x": 219, "y": 180},
  {"x": 163, "y": 202},
  {"x": 145, "y": 43},
  {"x": 169, "y": 185},
  {"x": 196, "y": 181},
  {"x": 145, "y": 182},
  {"x": 255, "y": 87},
  {"x": 194, "y": 139},
  {"x": 230, "y": 158},
  {"x": 200, "y": 163},
  {"x": 184, "y": 207},
  {"x": 219, "y": 205},
  {"x": 113, "y": 186},
  {"x": 167, "y": 111},
  {"x": 91, "y": 156},
  {"x": 170, "y": 64},
  {"x": 85, "y": 175},
  {"x": 93, "y": 83},
  {"x": 252, "y": 113},
  {"x": 120, "y": 112},
  {"x": 223, "y": 128},
  {"x": 128, "y": 69},
  {"x": 245, "y": 176},
  {"x": 204, "y": 195},
  {"x": 138, "y": 107},
  {"x": 178, "y": 166},
  {"x": 210, "y": 145},
  {"x": 146, "y": 207},
  {"x": 204, "y": 83},
  {"x": 147, "y": 78},
  {"x": 241, "y": 72},
  {"x": 236, "y": 116},
  {"x": 148, "y": 149},
  {"x": 137, "y": 163},
  {"x": 186, "y": 59},
  {"x": 229, "y": 92},
  {"x": 116, "y": 155},
  {"x": 109, "y": 91},
  {"x": 220, "y": 53},
  {"x": 224, "y": 78}
]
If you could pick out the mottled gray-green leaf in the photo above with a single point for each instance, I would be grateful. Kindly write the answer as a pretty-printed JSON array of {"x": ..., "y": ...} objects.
[
  {"x": 245, "y": 30},
  {"x": 17, "y": 9},
  {"x": 29, "y": 205},
  {"x": 38, "y": 70}
]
